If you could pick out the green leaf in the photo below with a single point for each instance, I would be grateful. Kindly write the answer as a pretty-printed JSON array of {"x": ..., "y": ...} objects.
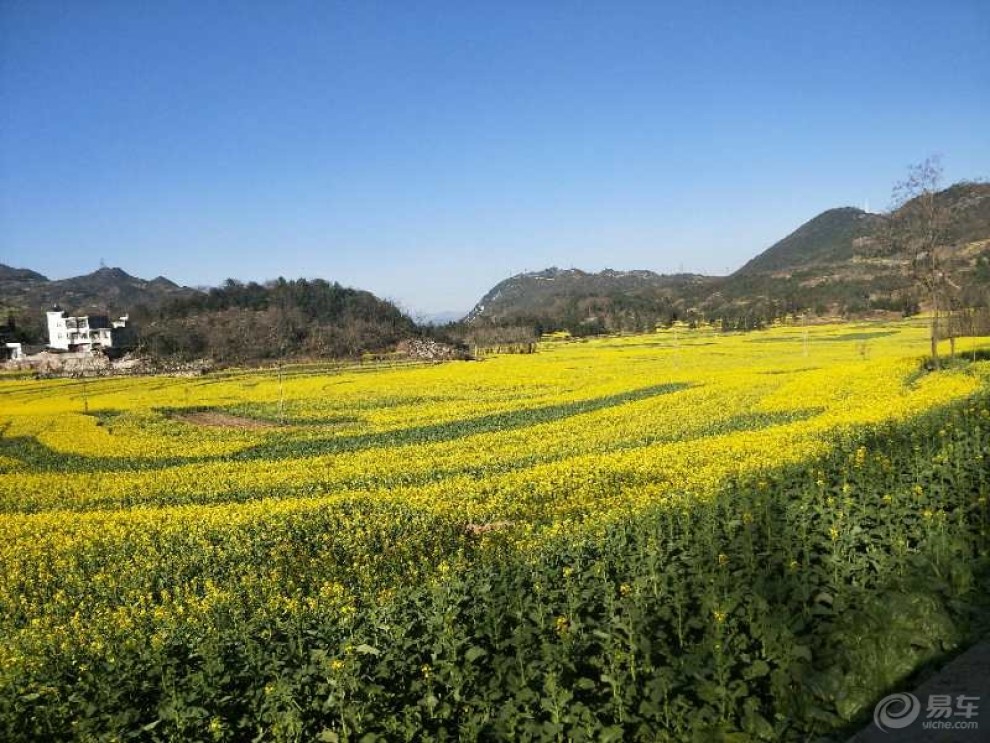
[
  {"x": 367, "y": 650},
  {"x": 757, "y": 669},
  {"x": 759, "y": 726},
  {"x": 473, "y": 653},
  {"x": 801, "y": 651}
]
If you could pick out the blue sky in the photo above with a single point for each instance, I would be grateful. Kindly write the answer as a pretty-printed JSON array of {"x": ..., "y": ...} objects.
[{"x": 426, "y": 151}]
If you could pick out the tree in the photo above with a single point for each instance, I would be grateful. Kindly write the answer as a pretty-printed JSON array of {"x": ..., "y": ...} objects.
[{"x": 916, "y": 227}]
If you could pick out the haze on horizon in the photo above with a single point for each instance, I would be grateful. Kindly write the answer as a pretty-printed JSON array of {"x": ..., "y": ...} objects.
[{"x": 426, "y": 151}]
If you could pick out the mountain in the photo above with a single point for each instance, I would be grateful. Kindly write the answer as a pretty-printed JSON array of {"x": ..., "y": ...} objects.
[
  {"x": 14, "y": 277},
  {"x": 578, "y": 299},
  {"x": 838, "y": 240},
  {"x": 827, "y": 239},
  {"x": 26, "y": 295},
  {"x": 105, "y": 291},
  {"x": 836, "y": 263},
  {"x": 841, "y": 262}
]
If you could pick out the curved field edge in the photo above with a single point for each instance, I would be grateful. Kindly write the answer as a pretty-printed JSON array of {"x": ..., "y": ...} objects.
[
  {"x": 36, "y": 457},
  {"x": 780, "y": 608},
  {"x": 563, "y": 468}
]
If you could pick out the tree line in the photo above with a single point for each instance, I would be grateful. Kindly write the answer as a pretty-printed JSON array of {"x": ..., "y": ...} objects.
[{"x": 243, "y": 322}]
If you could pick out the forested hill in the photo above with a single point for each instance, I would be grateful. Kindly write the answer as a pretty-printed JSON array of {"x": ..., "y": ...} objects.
[
  {"x": 825, "y": 240},
  {"x": 585, "y": 302},
  {"x": 244, "y": 321},
  {"x": 234, "y": 322}
]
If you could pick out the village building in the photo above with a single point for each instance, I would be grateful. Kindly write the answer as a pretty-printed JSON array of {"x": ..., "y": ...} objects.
[
  {"x": 85, "y": 333},
  {"x": 11, "y": 352}
]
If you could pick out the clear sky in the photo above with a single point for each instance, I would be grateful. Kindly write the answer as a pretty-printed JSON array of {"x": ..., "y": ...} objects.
[{"x": 426, "y": 151}]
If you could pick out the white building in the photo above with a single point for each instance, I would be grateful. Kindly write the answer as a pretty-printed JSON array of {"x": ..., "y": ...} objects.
[
  {"x": 12, "y": 352},
  {"x": 86, "y": 333}
]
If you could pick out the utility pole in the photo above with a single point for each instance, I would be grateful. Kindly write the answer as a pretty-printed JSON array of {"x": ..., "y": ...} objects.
[{"x": 281, "y": 391}]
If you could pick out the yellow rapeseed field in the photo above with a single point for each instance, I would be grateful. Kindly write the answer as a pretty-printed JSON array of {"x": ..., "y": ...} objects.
[{"x": 122, "y": 518}]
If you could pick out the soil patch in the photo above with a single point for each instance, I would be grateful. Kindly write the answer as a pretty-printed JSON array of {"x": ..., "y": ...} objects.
[{"x": 225, "y": 420}]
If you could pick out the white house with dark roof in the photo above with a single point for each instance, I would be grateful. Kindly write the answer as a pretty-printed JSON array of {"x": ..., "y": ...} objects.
[{"x": 85, "y": 333}]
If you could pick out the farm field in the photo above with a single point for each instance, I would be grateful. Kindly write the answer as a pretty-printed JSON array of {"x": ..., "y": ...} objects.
[{"x": 649, "y": 537}]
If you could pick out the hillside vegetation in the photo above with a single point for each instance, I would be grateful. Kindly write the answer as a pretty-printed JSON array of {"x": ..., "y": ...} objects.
[
  {"x": 233, "y": 323},
  {"x": 837, "y": 264},
  {"x": 833, "y": 265},
  {"x": 243, "y": 322},
  {"x": 26, "y": 295}
]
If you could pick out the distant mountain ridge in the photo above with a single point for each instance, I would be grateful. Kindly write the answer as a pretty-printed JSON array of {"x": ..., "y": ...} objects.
[
  {"x": 10, "y": 276},
  {"x": 104, "y": 291},
  {"x": 834, "y": 263},
  {"x": 531, "y": 292}
]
